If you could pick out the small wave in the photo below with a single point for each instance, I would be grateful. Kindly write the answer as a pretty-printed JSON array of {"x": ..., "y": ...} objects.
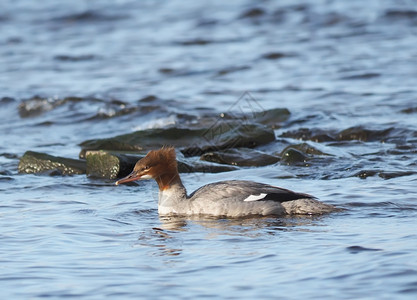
[
  {"x": 74, "y": 58},
  {"x": 89, "y": 16},
  {"x": 358, "y": 249},
  {"x": 158, "y": 123}
]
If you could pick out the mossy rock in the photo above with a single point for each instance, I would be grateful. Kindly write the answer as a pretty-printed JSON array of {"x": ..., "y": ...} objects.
[
  {"x": 102, "y": 164},
  {"x": 36, "y": 162}
]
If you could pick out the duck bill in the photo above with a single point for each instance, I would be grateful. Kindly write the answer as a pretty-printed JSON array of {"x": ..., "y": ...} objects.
[{"x": 131, "y": 177}]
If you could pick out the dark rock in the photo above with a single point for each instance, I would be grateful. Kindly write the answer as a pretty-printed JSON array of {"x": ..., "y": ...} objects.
[
  {"x": 6, "y": 100},
  {"x": 149, "y": 98},
  {"x": 363, "y": 174},
  {"x": 291, "y": 156},
  {"x": 222, "y": 135},
  {"x": 315, "y": 135},
  {"x": 358, "y": 133},
  {"x": 274, "y": 55},
  {"x": 203, "y": 167},
  {"x": 365, "y": 135},
  {"x": 35, "y": 162},
  {"x": 9, "y": 155},
  {"x": 240, "y": 157},
  {"x": 270, "y": 117},
  {"x": 306, "y": 149},
  {"x": 409, "y": 110},
  {"x": 38, "y": 105},
  {"x": 390, "y": 175},
  {"x": 111, "y": 165},
  {"x": 35, "y": 106},
  {"x": 252, "y": 13},
  {"x": 194, "y": 42}
]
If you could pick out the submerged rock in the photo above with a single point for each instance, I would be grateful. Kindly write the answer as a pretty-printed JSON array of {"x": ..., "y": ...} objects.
[
  {"x": 38, "y": 105},
  {"x": 316, "y": 135},
  {"x": 291, "y": 156},
  {"x": 365, "y": 135},
  {"x": 36, "y": 162},
  {"x": 306, "y": 149},
  {"x": 222, "y": 135},
  {"x": 357, "y": 133},
  {"x": 271, "y": 117},
  {"x": 240, "y": 157}
]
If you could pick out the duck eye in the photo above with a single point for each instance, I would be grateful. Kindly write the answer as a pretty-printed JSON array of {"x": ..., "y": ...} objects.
[{"x": 145, "y": 168}]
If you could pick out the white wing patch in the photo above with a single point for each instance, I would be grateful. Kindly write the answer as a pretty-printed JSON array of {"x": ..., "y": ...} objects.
[{"x": 255, "y": 197}]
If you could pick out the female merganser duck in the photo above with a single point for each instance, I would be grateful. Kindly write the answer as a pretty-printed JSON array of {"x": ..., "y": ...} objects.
[{"x": 232, "y": 198}]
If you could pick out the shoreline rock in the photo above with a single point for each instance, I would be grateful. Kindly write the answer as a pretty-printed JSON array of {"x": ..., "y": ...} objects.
[
  {"x": 36, "y": 162},
  {"x": 222, "y": 135}
]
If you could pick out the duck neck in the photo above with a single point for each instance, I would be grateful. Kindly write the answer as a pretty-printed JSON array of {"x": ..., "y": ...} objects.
[
  {"x": 169, "y": 180},
  {"x": 172, "y": 194}
]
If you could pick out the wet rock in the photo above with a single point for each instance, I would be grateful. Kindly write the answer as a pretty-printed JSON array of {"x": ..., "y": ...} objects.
[
  {"x": 240, "y": 157},
  {"x": 409, "y": 110},
  {"x": 274, "y": 55},
  {"x": 363, "y": 174},
  {"x": 111, "y": 165},
  {"x": 365, "y": 135},
  {"x": 6, "y": 100},
  {"x": 195, "y": 42},
  {"x": 358, "y": 133},
  {"x": 9, "y": 155},
  {"x": 291, "y": 156},
  {"x": 203, "y": 167},
  {"x": 5, "y": 173},
  {"x": 38, "y": 105},
  {"x": 34, "y": 106},
  {"x": 306, "y": 149},
  {"x": 222, "y": 135},
  {"x": 101, "y": 164},
  {"x": 390, "y": 175},
  {"x": 166, "y": 70},
  {"x": 147, "y": 99},
  {"x": 36, "y": 162},
  {"x": 270, "y": 117},
  {"x": 252, "y": 13},
  {"x": 316, "y": 135}
]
